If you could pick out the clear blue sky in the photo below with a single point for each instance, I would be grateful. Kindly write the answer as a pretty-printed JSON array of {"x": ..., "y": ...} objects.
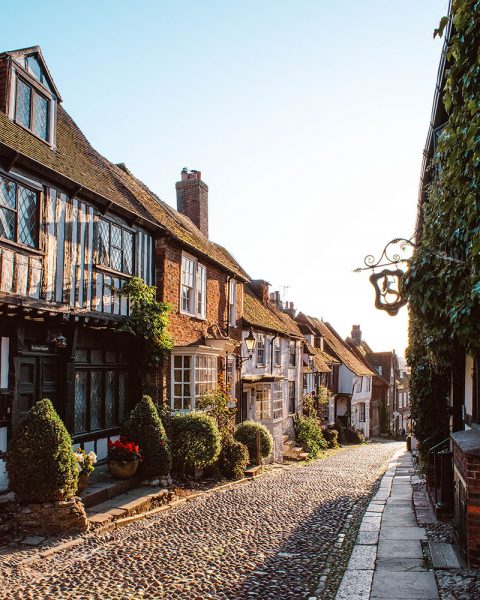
[{"x": 307, "y": 119}]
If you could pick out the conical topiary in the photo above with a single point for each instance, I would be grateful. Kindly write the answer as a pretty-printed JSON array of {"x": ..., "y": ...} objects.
[
  {"x": 40, "y": 462},
  {"x": 145, "y": 428}
]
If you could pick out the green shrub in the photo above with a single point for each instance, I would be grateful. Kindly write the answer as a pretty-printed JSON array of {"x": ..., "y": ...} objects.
[
  {"x": 144, "y": 427},
  {"x": 40, "y": 461},
  {"x": 233, "y": 458},
  {"x": 308, "y": 432},
  {"x": 246, "y": 434},
  {"x": 195, "y": 441},
  {"x": 331, "y": 437},
  {"x": 355, "y": 436}
]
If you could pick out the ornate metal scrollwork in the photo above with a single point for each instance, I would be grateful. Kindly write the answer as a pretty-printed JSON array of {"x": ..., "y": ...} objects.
[
  {"x": 396, "y": 251},
  {"x": 388, "y": 283}
]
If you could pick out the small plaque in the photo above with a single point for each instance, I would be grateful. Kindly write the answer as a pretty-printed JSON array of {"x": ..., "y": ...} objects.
[{"x": 39, "y": 348}]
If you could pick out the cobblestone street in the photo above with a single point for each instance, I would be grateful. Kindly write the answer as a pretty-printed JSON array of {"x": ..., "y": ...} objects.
[{"x": 287, "y": 535}]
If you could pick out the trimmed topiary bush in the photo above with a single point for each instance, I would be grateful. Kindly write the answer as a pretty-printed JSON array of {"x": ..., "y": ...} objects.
[
  {"x": 233, "y": 458},
  {"x": 246, "y": 433},
  {"x": 195, "y": 441},
  {"x": 40, "y": 461},
  {"x": 331, "y": 437},
  {"x": 308, "y": 432},
  {"x": 144, "y": 427}
]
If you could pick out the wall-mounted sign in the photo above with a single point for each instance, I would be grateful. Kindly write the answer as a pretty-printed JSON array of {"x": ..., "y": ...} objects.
[{"x": 39, "y": 348}]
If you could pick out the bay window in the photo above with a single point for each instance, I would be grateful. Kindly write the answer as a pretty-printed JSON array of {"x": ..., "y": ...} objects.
[
  {"x": 19, "y": 220},
  {"x": 193, "y": 376},
  {"x": 263, "y": 402},
  {"x": 193, "y": 288},
  {"x": 277, "y": 394}
]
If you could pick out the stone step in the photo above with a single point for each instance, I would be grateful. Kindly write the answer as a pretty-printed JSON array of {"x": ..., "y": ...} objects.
[
  {"x": 103, "y": 488},
  {"x": 288, "y": 446},
  {"x": 131, "y": 503},
  {"x": 254, "y": 471},
  {"x": 297, "y": 456}
]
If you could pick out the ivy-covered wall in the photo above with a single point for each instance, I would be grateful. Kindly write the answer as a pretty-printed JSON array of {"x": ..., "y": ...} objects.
[{"x": 443, "y": 281}]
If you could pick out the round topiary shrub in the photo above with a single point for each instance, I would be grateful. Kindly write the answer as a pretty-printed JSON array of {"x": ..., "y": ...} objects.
[
  {"x": 233, "y": 458},
  {"x": 195, "y": 441},
  {"x": 144, "y": 427},
  {"x": 331, "y": 437},
  {"x": 308, "y": 432},
  {"x": 246, "y": 434},
  {"x": 40, "y": 461}
]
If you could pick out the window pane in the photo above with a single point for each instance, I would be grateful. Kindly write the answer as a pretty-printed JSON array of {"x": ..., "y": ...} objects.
[
  {"x": 27, "y": 216},
  {"x": 95, "y": 400},
  {"x": 127, "y": 252},
  {"x": 40, "y": 116},
  {"x": 116, "y": 237},
  {"x": 7, "y": 224},
  {"x": 7, "y": 193},
  {"x": 122, "y": 396},
  {"x": 103, "y": 242},
  {"x": 116, "y": 259},
  {"x": 110, "y": 394},
  {"x": 80, "y": 405},
  {"x": 22, "y": 113}
]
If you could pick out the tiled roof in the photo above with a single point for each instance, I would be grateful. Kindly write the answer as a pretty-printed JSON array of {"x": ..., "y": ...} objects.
[
  {"x": 337, "y": 345},
  {"x": 267, "y": 316},
  {"x": 318, "y": 359},
  {"x": 78, "y": 161}
]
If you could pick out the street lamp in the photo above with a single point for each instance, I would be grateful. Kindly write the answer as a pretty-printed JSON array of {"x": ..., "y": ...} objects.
[{"x": 250, "y": 344}]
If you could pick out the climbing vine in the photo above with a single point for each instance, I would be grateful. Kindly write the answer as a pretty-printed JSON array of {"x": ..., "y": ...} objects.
[
  {"x": 148, "y": 320},
  {"x": 443, "y": 281}
]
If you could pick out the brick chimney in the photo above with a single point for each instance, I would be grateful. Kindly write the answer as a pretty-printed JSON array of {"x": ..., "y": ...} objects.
[
  {"x": 192, "y": 199},
  {"x": 275, "y": 299},
  {"x": 290, "y": 309},
  {"x": 356, "y": 335},
  {"x": 260, "y": 289}
]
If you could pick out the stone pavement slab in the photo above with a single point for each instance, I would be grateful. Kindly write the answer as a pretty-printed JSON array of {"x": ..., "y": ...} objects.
[
  {"x": 363, "y": 557},
  {"x": 408, "y": 586},
  {"x": 402, "y": 533},
  {"x": 356, "y": 585},
  {"x": 400, "y": 564},
  {"x": 400, "y": 549}
]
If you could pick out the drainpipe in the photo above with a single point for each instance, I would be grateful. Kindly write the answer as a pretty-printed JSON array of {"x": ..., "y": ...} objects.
[
  {"x": 227, "y": 327},
  {"x": 271, "y": 351}
]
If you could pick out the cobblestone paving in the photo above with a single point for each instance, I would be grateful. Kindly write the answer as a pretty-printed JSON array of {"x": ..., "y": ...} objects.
[{"x": 280, "y": 537}]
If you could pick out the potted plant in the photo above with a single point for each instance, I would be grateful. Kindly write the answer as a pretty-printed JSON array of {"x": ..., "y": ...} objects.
[
  {"x": 85, "y": 467},
  {"x": 124, "y": 457}
]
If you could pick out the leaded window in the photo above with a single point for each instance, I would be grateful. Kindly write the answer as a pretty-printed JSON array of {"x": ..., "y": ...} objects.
[
  {"x": 18, "y": 213},
  {"x": 193, "y": 377},
  {"x": 115, "y": 247},
  {"x": 31, "y": 109},
  {"x": 101, "y": 388},
  {"x": 193, "y": 288}
]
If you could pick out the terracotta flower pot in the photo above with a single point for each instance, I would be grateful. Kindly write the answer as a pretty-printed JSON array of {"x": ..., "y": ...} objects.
[
  {"x": 122, "y": 469},
  {"x": 82, "y": 482}
]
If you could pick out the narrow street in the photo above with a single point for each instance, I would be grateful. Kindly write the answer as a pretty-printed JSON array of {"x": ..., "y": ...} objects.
[{"x": 282, "y": 536}]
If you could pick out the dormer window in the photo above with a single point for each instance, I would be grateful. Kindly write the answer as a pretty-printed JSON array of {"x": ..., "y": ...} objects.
[
  {"x": 33, "y": 97},
  {"x": 31, "y": 109}
]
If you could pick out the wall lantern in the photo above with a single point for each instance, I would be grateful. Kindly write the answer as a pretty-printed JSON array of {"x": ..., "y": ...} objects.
[
  {"x": 251, "y": 344},
  {"x": 389, "y": 282},
  {"x": 60, "y": 341}
]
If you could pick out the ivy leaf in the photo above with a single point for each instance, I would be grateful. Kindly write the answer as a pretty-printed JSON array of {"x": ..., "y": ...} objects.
[{"x": 441, "y": 27}]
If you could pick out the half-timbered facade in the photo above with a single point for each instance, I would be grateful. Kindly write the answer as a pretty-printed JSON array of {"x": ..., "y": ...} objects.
[{"x": 70, "y": 236}]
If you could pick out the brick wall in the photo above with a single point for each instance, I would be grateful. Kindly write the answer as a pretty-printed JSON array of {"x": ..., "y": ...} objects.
[
  {"x": 187, "y": 330},
  {"x": 468, "y": 466},
  {"x": 192, "y": 201},
  {"x": 4, "y": 84}
]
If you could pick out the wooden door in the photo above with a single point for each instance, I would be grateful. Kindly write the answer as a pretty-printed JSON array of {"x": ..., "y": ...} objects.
[{"x": 35, "y": 378}]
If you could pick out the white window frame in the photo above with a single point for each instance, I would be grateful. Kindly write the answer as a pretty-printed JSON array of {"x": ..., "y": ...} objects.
[
  {"x": 292, "y": 352},
  {"x": 362, "y": 409},
  {"x": 367, "y": 385},
  {"x": 358, "y": 384},
  {"x": 193, "y": 278},
  {"x": 261, "y": 348},
  {"x": 277, "y": 352},
  {"x": 202, "y": 378},
  {"x": 231, "y": 375},
  {"x": 277, "y": 400},
  {"x": 232, "y": 303},
  {"x": 263, "y": 402}
]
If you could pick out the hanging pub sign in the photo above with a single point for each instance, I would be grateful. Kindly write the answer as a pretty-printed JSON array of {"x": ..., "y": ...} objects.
[{"x": 388, "y": 283}]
